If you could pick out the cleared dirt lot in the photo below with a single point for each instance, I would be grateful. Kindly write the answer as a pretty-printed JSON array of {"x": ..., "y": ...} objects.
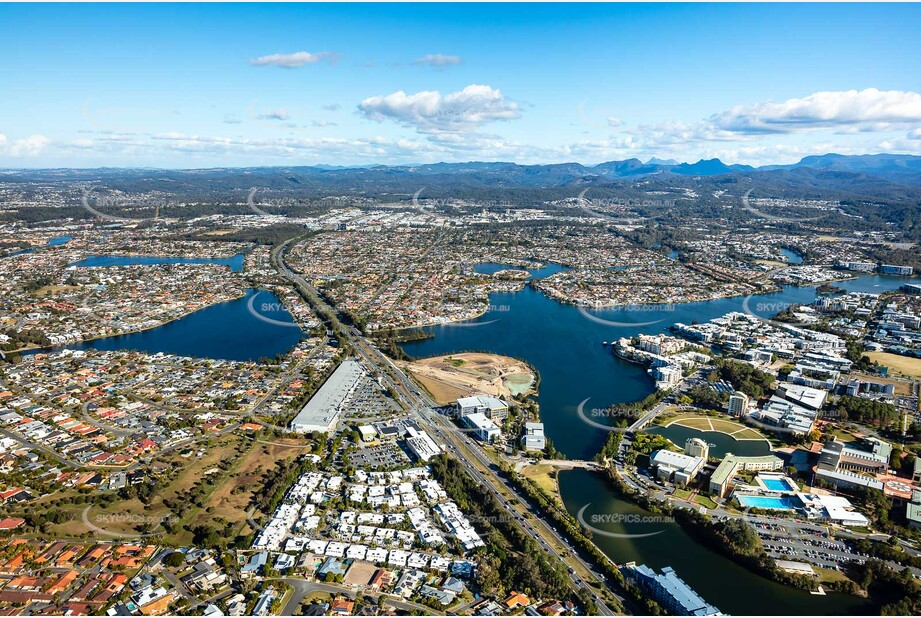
[{"x": 458, "y": 375}]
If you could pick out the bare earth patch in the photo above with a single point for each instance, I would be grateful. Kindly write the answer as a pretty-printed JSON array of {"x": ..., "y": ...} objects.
[{"x": 459, "y": 375}]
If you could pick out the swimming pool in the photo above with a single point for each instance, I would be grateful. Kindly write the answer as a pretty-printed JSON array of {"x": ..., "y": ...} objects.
[
  {"x": 782, "y": 503},
  {"x": 778, "y": 485}
]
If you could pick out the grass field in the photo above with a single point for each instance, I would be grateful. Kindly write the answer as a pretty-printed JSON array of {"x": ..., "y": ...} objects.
[
  {"x": 704, "y": 501},
  {"x": 128, "y": 516},
  {"x": 50, "y": 290},
  {"x": 695, "y": 423},
  {"x": 898, "y": 364},
  {"x": 231, "y": 498},
  {"x": 442, "y": 392},
  {"x": 829, "y": 575},
  {"x": 540, "y": 475},
  {"x": 709, "y": 423}
]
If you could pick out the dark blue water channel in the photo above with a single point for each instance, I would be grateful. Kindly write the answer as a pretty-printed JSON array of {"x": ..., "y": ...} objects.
[{"x": 566, "y": 347}]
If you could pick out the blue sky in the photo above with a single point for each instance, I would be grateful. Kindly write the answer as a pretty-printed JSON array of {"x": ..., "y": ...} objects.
[{"x": 88, "y": 85}]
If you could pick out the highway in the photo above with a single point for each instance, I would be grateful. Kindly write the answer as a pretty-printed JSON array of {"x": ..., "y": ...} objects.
[{"x": 459, "y": 443}]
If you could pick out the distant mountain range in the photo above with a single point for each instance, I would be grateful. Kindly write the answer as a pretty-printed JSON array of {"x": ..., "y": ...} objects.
[
  {"x": 890, "y": 166},
  {"x": 864, "y": 176},
  {"x": 901, "y": 169}
]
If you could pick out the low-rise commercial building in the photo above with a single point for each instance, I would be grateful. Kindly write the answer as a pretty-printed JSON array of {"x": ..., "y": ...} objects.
[
  {"x": 321, "y": 413},
  {"x": 669, "y": 591},
  {"x": 676, "y": 467},
  {"x": 721, "y": 479},
  {"x": 533, "y": 438},
  {"x": 421, "y": 444},
  {"x": 482, "y": 427},
  {"x": 492, "y": 407}
]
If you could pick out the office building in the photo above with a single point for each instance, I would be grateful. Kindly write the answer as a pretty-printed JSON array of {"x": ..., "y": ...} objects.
[
  {"x": 721, "y": 479},
  {"x": 738, "y": 404},
  {"x": 866, "y": 456},
  {"x": 482, "y": 427},
  {"x": 492, "y": 407},
  {"x": 894, "y": 269},
  {"x": 695, "y": 447},
  {"x": 533, "y": 438},
  {"x": 676, "y": 467},
  {"x": 862, "y": 267}
]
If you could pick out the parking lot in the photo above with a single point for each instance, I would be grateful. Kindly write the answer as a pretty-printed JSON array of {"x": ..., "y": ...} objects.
[
  {"x": 812, "y": 544},
  {"x": 806, "y": 544},
  {"x": 380, "y": 456},
  {"x": 369, "y": 400}
]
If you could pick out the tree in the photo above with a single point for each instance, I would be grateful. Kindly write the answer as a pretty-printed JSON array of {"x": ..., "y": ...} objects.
[{"x": 174, "y": 559}]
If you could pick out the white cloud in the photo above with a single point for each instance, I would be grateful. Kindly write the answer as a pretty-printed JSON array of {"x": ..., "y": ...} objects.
[
  {"x": 275, "y": 114},
  {"x": 866, "y": 110},
  {"x": 291, "y": 61},
  {"x": 323, "y": 123},
  {"x": 615, "y": 122},
  {"x": 438, "y": 61},
  {"x": 848, "y": 113},
  {"x": 432, "y": 112},
  {"x": 25, "y": 147}
]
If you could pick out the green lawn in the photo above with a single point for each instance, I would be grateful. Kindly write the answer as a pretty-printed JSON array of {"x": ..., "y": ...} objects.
[{"x": 704, "y": 501}]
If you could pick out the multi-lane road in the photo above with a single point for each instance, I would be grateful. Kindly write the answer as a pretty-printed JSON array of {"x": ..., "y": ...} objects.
[{"x": 466, "y": 450}]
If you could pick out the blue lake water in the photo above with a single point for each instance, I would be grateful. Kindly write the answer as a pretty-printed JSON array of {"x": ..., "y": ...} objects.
[
  {"x": 235, "y": 263},
  {"x": 720, "y": 443},
  {"x": 565, "y": 346},
  {"x": 57, "y": 241},
  {"x": 491, "y": 268},
  {"x": 792, "y": 256},
  {"x": 224, "y": 331}
]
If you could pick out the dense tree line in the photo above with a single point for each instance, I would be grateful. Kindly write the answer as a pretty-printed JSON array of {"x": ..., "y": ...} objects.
[
  {"x": 867, "y": 411},
  {"x": 581, "y": 538},
  {"x": 707, "y": 398},
  {"x": 513, "y": 561},
  {"x": 893, "y": 593},
  {"x": 743, "y": 377}
]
